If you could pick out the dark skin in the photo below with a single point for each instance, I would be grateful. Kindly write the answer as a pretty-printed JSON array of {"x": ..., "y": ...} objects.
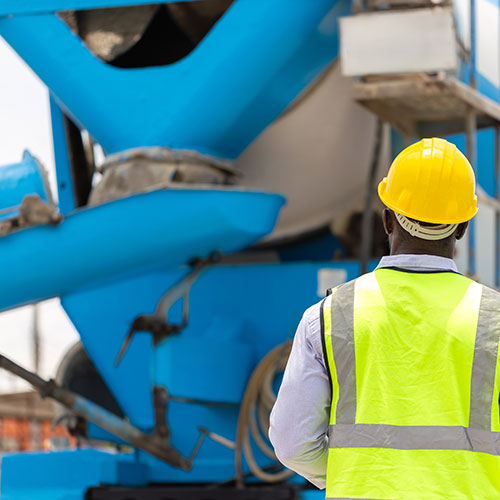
[{"x": 402, "y": 242}]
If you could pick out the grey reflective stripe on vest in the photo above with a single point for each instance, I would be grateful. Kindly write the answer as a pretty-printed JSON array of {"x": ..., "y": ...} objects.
[
  {"x": 485, "y": 359},
  {"x": 343, "y": 352},
  {"x": 413, "y": 437}
]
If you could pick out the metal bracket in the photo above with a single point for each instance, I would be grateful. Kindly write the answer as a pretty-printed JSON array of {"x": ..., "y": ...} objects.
[
  {"x": 160, "y": 400},
  {"x": 157, "y": 324}
]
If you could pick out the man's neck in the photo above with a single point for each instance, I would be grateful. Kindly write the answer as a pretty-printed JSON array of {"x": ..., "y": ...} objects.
[{"x": 414, "y": 250}]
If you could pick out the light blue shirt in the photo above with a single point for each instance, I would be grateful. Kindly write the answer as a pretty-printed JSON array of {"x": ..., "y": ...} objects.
[{"x": 300, "y": 417}]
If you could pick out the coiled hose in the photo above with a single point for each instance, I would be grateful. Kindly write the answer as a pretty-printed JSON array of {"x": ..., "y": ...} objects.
[{"x": 253, "y": 419}]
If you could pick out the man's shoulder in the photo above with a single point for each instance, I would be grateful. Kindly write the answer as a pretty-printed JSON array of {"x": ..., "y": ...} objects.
[
  {"x": 313, "y": 313},
  {"x": 343, "y": 287},
  {"x": 311, "y": 329}
]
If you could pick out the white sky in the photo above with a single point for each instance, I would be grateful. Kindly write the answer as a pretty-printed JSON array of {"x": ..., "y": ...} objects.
[{"x": 25, "y": 124}]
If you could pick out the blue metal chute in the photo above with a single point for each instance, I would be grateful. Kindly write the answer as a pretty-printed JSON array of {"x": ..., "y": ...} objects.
[
  {"x": 244, "y": 73},
  {"x": 162, "y": 228}
]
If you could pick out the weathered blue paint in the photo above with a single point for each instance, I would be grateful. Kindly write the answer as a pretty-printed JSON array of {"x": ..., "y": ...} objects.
[
  {"x": 160, "y": 228},
  {"x": 249, "y": 67},
  {"x": 226, "y": 350},
  {"x": 266, "y": 299},
  {"x": 242, "y": 310}
]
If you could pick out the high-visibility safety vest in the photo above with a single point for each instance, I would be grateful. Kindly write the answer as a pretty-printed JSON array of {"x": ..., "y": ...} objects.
[{"x": 412, "y": 359}]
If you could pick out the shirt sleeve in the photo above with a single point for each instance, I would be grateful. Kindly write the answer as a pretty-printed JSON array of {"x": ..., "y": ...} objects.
[{"x": 301, "y": 414}]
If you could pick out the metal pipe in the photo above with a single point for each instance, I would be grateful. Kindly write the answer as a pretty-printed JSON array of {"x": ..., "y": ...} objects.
[
  {"x": 497, "y": 212},
  {"x": 471, "y": 135},
  {"x": 36, "y": 338},
  {"x": 472, "y": 59},
  {"x": 155, "y": 445},
  {"x": 367, "y": 222},
  {"x": 180, "y": 290}
]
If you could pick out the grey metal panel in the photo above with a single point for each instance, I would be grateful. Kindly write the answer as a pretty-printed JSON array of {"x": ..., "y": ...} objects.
[{"x": 398, "y": 42}]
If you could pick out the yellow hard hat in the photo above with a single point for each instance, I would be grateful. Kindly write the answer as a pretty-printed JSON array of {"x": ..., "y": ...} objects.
[{"x": 431, "y": 181}]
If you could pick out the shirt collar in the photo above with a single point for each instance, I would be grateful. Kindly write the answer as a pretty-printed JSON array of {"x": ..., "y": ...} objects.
[{"x": 413, "y": 262}]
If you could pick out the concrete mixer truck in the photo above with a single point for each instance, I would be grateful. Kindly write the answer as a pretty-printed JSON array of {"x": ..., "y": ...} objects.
[{"x": 235, "y": 188}]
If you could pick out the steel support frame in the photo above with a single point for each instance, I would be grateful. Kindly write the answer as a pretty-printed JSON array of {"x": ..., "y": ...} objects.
[
  {"x": 471, "y": 150},
  {"x": 497, "y": 213},
  {"x": 65, "y": 186}
]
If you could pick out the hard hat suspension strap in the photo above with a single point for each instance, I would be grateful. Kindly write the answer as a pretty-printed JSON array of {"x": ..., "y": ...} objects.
[{"x": 436, "y": 232}]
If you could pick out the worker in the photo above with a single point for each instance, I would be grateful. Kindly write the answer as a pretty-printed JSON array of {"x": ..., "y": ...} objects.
[{"x": 391, "y": 390}]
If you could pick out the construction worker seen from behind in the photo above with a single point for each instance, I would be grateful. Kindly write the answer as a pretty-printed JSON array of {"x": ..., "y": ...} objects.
[{"x": 391, "y": 390}]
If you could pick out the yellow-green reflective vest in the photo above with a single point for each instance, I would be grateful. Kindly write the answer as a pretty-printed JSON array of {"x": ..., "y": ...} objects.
[{"x": 413, "y": 362}]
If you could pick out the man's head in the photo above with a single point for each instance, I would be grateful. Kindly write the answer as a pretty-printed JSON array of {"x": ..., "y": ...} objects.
[{"x": 429, "y": 195}]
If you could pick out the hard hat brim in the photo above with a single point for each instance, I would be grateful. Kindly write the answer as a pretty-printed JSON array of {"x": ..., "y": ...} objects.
[{"x": 419, "y": 217}]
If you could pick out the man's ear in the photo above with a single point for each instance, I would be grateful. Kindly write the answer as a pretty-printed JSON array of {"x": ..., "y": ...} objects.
[
  {"x": 461, "y": 230},
  {"x": 387, "y": 221}
]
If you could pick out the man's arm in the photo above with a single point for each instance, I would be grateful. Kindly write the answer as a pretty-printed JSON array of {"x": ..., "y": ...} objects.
[{"x": 300, "y": 417}]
